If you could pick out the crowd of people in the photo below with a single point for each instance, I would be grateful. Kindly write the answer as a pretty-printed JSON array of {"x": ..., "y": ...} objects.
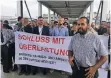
[{"x": 55, "y": 28}]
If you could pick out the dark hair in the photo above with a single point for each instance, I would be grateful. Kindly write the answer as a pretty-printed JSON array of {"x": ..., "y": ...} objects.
[
  {"x": 52, "y": 20},
  {"x": 75, "y": 23},
  {"x": 86, "y": 19},
  {"x": 108, "y": 22},
  {"x": 19, "y": 18},
  {"x": 40, "y": 17},
  {"x": 55, "y": 22},
  {"x": 66, "y": 18},
  {"x": 6, "y": 22},
  {"x": 64, "y": 23}
]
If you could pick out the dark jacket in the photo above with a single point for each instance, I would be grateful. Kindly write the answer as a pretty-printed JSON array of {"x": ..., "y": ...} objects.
[
  {"x": 72, "y": 33},
  {"x": 28, "y": 29},
  {"x": 45, "y": 30},
  {"x": 18, "y": 26},
  {"x": 101, "y": 31},
  {"x": 69, "y": 30},
  {"x": 7, "y": 26}
]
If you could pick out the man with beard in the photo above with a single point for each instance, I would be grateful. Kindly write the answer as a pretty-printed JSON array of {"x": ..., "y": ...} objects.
[{"x": 84, "y": 49}]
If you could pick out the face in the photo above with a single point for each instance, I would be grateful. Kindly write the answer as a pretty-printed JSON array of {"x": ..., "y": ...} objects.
[
  {"x": 65, "y": 20},
  {"x": 56, "y": 23},
  {"x": 75, "y": 27},
  {"x": 52, "y": 22},
  {"x": 65, "y": 25},
  {"x": 21, "y": 20},
  {"x": 34, "y": 23},
  {"x": 83, "y": 26},
  {"x": 61, "y": 21},
  {"x": 41, "y": 21},
  {"x": 25, "y": 21}
]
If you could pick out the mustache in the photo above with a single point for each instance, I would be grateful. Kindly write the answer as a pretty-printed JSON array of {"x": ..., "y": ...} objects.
[{"x": 80, "y": 29}]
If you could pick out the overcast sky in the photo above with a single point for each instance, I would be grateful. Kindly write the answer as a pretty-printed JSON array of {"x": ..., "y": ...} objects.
[{"x": 9, "y": 8}]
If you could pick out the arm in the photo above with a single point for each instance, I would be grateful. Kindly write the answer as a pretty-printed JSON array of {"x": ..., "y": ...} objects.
[
  {"x": 70, "y": 56},
  {"x": 70, "y": 52},
  {"x": 101, "y": 61},
  {"x": 101, "y": 52}
]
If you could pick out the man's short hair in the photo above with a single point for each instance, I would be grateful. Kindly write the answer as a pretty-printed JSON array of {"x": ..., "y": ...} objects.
[
  {"x": 40, "y": 17},
  {"x": 66, "y": 18},
  {"x": 19, "y": 18},
  {"x": 86, "y": 19},
  {"x": 64, "y": 23},
  {"x": 55, "y": 22},
  {"x": 6, "y": 22},
  {"x": 75, "y": 23},
  {"x": 52, "y": 20}
]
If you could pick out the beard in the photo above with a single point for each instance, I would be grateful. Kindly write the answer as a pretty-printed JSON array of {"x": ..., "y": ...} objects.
[{"x": 82, "y": 31}]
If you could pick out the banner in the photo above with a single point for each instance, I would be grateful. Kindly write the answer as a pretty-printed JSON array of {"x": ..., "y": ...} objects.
[{"x": 42, "y": 51}]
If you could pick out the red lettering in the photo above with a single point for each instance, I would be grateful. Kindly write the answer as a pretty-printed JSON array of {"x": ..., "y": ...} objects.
[
  {"x": 56, "y": 52},
  {"x": 32, "y": 38},
  {"x": 37, "y": 39},
  {"x": 29, "y": 38},
  {"x": 63, "y": 40},
  {"x": 34, "y": 47},
  {"x": 19, "y": 37},
  {"x": 42, "y": 39},
  {"x": 29, "y": 47},
  {"x": 25, "y": 46},
  {"x": 55, "y": 40},
  {"x": 20, "y": 46},
  {"x": 47, "y": 39},
  {"x": 67, "y": 52},
  {"x": 62, "y": 52}
]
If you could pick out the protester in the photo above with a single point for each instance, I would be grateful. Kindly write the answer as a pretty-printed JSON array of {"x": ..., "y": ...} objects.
[
  {"x": 60, "y": 30},
  {"x": 102, "y": 29},
  {"x": 26, "y": 69},
  {"x": 74, "y": 28},
  {"x": 84, "y": 53},
  {"x": 41, "y": 30},
  {"x": 66, "y": 20},
  {"x": 109, "y": 47},
  {"x": 7, "y": 37},
  {"x": 68, "y": 26},
  {"x": 6, "y": 25},
  {"x": 18, "y": 26},
  {"x": 33, "y": 23},
  {"x": 52, "y": 27}
]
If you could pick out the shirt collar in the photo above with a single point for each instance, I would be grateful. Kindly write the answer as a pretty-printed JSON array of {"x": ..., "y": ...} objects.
[{"x": 40, "y": 26}]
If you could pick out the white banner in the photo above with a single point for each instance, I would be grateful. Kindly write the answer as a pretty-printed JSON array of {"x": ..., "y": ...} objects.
[{"x": 42, "y": 51}]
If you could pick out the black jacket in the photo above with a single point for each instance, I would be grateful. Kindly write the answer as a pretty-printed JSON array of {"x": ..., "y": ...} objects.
[
  {"x": 28, "y": 29},
  {"x": 72, "y": 33},
  {"x": 101, "y": 31},
  {"x": 45, "y": 30},
  {"x": 7, "y": 26}
]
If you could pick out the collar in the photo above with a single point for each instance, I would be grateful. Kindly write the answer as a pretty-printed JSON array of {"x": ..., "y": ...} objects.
[{"x": 40, "y": 26}]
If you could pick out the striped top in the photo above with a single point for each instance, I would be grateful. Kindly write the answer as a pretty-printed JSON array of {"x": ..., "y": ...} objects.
[{"x": 86, "y": 49}]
